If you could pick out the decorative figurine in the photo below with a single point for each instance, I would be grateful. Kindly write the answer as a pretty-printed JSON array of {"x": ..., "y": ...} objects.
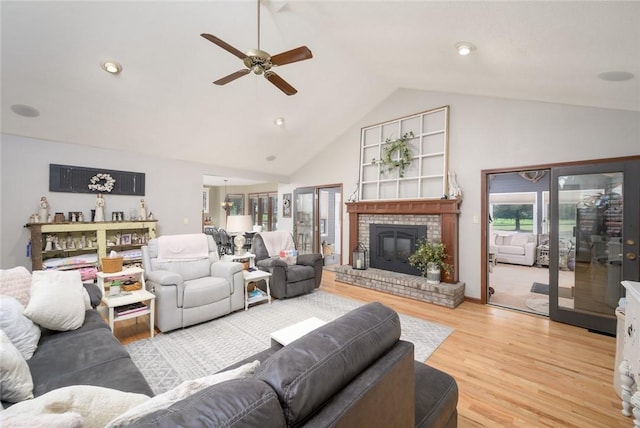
[
  {"x": 43, "y": 214},
  {"x": 80, "y": 217},
  {"x": 99, "y": 208},
  {"x": 118, "y": 238},
  {"x": 56, "y": 243},
  {"x": 143, "y": 210},
  {"x": 150, "y": 215},
  {"x": 73, "y": 218},
  {"x": 50, "y": 218},
  {"x": 49, "y": 246},
  {"x": 454, "y": 189}
]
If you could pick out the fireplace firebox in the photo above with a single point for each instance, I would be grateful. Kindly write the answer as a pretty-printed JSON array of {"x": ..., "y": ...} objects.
[{"x": 392, "y": 244}]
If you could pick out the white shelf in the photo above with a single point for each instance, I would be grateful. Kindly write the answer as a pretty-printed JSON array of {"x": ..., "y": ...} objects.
[{"x": 131, "y": 315}]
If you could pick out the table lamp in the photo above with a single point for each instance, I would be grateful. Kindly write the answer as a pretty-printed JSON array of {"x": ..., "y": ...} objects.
[{"x": 238, "y": 225}]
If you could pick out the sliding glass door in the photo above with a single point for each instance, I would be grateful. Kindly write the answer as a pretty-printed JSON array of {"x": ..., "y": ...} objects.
[{"x": 595, "y": 236}]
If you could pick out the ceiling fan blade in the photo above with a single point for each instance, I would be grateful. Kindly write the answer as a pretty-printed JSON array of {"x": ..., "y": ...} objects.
[
  {"x": 232, "y": 77},
  {"x": 280, "y": 83},
  {"x": 294, "y": 55},
  {"x": 224, "y": 45}
]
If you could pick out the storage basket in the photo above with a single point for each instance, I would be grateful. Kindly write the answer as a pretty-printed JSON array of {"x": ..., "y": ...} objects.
[
  {"x": 111, "y": 264},
  {"x": 131, "y": 287}
]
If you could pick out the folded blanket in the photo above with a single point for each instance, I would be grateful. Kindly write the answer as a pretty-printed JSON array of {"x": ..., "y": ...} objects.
[
  {"x": 277, "y": 241},
  {"x": 183, "y": 247}
]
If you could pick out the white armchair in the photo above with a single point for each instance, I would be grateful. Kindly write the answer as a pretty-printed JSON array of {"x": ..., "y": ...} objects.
[{"x": 192, "y": 290}]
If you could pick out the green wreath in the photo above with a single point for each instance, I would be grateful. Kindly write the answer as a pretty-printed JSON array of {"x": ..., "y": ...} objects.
[{"x": 402, "y": 148}]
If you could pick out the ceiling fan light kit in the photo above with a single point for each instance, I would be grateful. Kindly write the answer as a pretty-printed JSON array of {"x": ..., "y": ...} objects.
[{"x": 259, "y": 62}]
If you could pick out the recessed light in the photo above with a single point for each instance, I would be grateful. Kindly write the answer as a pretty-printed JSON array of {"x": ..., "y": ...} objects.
[
  {"x": 465, "y": 48},
  {"x": 616, "y": 76},
  {"x": 112, "y": 67},
  {"x": 24, "y": 110},
  {"x": 279, "y": 121}
]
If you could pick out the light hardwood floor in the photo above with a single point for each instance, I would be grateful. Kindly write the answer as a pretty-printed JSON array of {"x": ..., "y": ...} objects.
[{"x": 512, "y": 368}]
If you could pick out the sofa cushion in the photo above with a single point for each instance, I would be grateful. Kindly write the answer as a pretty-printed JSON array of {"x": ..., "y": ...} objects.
[
  {"x": 236, "y": 403},
  {"x": 307, "y": 372},
  {"x": 15, "y": 379},
  {"x": 57, "y": 300},
  {"x": 511, "y": 249},
  {"x": 22, "y": 332},
  {"x": 296, "y": 273},
  {"x": 503, "y": 239},
  {"x": 83, "y": 357},
  {"x": 436, "y": 397},
  {"x": 203, "y": 291},
  {"x": 520, "y": 239}
]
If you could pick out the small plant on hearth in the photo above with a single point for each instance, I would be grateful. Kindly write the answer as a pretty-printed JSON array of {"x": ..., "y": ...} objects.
[{"x": 428, "y": 256}]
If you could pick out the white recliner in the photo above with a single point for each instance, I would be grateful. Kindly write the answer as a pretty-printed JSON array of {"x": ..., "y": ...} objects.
[{"x": 190, "y": 291}]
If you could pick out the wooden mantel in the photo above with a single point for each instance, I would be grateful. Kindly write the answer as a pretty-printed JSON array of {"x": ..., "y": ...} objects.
[{"x": 447, "y": 209}]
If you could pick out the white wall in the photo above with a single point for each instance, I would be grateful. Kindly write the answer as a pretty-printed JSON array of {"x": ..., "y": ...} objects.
[
  {"x": 173, "y": 189},
  {"x": 484, "y": 133}
]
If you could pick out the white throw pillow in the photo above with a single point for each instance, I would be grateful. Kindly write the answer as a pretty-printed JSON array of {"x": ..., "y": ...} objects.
[
  {"x": 48, "y": 420},
  {"x": 22, "y": 332},
  {"x": 96, "y": 405},
  {"x": 180, "y": 392},
  {"x": 15, "y": 378},
  {"x": 57, "y": 300}
]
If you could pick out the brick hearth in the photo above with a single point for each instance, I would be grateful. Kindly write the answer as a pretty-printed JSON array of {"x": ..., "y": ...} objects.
[
  {"x": 400, "y": 284},
  {"x": 440, "y": 216}
]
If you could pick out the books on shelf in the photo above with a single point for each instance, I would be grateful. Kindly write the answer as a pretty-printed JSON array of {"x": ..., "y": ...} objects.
[
  {"x": 256, "y": 295},
  {"x": 130, "y": 309}
]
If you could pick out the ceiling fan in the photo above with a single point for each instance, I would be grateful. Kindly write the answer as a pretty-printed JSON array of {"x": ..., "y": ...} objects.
[{"x": 260, "y": 62}]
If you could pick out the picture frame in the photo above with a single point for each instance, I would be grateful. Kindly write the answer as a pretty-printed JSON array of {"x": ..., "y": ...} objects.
[
  {"x": 286, "y": 205},
  {"x": 125, "y": 239}
]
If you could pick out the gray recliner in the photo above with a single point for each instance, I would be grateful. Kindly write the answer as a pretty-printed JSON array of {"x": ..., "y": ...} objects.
[
  {"x": 189, "y": 292},
  {"x": 288, "y": 280}
]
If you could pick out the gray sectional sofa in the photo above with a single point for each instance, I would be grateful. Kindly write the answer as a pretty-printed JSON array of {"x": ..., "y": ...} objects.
[{"x": 352, "y": 372}]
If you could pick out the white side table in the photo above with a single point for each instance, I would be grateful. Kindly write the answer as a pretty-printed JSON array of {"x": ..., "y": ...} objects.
[
  {"x": 127, "y": 298},
  {"x": 134, "y": 272},
  {"x": 237, "y": 257},
  {"x": 249, "y": 277}
]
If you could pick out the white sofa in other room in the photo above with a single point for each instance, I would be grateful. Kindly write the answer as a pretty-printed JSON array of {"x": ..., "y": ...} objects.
[{"x": 516, "y": 248}]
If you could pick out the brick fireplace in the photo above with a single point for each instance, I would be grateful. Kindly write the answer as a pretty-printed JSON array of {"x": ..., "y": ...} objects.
[{"x": 440, "y": 216}]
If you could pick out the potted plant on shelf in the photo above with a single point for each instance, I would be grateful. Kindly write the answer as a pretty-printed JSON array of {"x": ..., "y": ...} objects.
[{"x": 429, "y": 259}]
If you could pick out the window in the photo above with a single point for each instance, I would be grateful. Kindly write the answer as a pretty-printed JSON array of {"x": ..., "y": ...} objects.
[{"x": 264, "y": 210}]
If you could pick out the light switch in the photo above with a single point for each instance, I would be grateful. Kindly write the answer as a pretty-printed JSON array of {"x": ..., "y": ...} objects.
[
  {"x": 476, "y": 219},
  {"x": 186, "y": 220}
]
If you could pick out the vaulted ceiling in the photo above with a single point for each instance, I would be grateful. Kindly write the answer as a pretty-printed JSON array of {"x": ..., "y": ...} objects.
[{"x": 164, "y": 101}]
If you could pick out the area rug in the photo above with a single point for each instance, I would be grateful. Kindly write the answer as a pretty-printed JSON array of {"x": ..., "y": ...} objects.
[
  {"x": 171, "y": 358},
  {"x": 540, "y": 288},
  {"x": 538, "y": 304}
]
